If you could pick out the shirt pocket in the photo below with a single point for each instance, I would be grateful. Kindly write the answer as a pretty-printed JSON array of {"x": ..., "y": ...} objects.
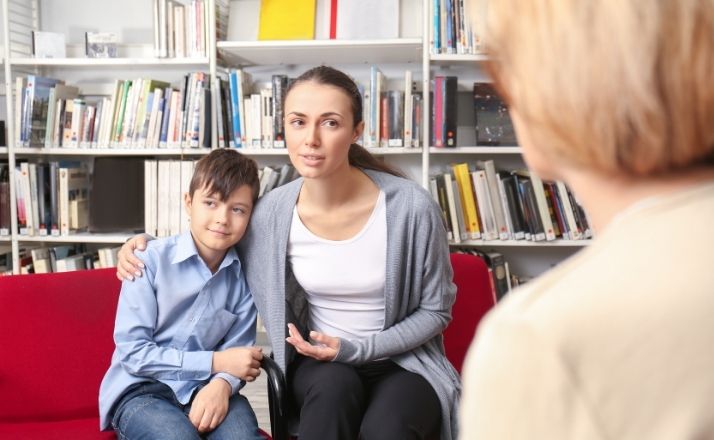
[{"x": 212, "y": 328}]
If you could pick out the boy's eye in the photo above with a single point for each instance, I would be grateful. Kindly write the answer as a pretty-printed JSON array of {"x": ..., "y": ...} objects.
[
  {"x": 238, "y": 211},
  {"x": 209, "y": 203}
]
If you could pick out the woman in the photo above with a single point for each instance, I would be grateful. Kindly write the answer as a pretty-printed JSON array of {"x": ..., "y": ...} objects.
[
  {"x": 354, "y": 259},
  {"x": 616, "y": 98}
]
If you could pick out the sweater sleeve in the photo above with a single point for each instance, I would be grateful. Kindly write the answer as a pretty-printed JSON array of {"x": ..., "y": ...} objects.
[{"x": 429, "y": 295}]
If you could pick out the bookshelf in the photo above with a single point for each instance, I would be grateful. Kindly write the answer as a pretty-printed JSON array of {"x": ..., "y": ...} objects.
[{"x": 133, "y": 21}]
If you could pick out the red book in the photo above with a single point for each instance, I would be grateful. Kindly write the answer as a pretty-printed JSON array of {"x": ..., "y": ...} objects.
[{"x": 333, "y": 19}]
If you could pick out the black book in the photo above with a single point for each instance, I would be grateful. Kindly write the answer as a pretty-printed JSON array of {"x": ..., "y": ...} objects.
[
  {"x": 116, "y": 202},
  {"x": 450, "y": 109},
  {"x": 493, "y": 123}
]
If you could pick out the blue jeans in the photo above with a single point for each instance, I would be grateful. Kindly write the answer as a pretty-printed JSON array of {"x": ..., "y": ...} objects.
[{"x": 151, "y": 411}]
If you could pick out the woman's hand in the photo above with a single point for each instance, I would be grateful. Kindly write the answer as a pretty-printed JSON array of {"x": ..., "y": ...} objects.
[
  {"x": 128, "y": 265},
  {"x": 325, "y": 350}
]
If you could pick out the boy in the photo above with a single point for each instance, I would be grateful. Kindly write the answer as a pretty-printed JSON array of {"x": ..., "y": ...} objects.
[{"x": 184, "y": 331}]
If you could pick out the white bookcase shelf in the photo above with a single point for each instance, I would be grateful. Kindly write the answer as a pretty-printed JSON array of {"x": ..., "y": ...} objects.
[
  {"x": 315, "y": 52},
  {"x": 111, "y": 151},
  {"x": 77, "y": 238},
  {"x": 522, "y": 243},
  {"x": 455, "y": 58},
  {"x": 173, "y": 63},
  {"x": 476, "y": 150}
]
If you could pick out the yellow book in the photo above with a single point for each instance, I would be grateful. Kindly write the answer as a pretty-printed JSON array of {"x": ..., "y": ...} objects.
[
  {"x": 287, "y": 20},
  {"x": 468, "y": 201}
]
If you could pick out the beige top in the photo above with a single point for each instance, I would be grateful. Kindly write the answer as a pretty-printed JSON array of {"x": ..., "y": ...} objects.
[{"x": 615, "y": 343}]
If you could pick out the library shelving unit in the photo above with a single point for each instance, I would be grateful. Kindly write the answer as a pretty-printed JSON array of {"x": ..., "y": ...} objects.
[
  {"x": 19, "y": 19},
  {"x": 410, "y": 51}
]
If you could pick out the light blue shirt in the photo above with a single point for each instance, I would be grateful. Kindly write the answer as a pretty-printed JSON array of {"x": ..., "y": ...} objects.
[{"x": 171, "y": 320}]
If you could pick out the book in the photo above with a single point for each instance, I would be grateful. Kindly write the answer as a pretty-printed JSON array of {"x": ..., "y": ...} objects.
[
  {"x": 73, "y": 184},
  {"x": 100, "y": 44},
  {"x": 48, "y": 44},
  {"x": 493, "y": 123},
  {"x": 287, "y": 20},
  {"x": 35, "y": 109},
  {"x": 4, "y": 199},
  {"x": 367, "y": 19},
  {"x": 111, "y": 210}
]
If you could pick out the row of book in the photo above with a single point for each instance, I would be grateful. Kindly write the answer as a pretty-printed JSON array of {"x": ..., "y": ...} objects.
[
  {"x": 181, "y": 30},
  {"x": 479, "y": 202},
  {"x": 51, "y": 198},
  {"x": 255, "y": 119},
  {"x": 60, "y": 258},
  {"x": 451, "y": 30},
  {"x": 57, "y": 198},
  {"x": 141, "y": 113},
  {"x": 492, "y": 122},
  {"x": 392, "y": 118}
]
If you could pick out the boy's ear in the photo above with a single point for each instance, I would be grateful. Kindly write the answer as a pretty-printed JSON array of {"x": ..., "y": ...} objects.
[{"x": 187, "y": 203}]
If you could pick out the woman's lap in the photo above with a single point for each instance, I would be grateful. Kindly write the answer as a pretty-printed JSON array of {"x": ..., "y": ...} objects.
[{"x": 379, "y": 399}]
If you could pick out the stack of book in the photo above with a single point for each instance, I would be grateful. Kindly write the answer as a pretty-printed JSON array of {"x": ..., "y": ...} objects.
[{"x": 483, "y": 203}]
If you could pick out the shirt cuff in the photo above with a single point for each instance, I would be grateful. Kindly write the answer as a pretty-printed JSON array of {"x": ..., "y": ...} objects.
[
  {"x": 235, "y": 383},
  {"x": 196, "y": 365}
]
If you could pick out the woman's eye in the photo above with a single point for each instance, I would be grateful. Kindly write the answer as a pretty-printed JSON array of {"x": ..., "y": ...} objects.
[
  {"x": 296, "y": 122},
  {"x": 330, "y": 123}
]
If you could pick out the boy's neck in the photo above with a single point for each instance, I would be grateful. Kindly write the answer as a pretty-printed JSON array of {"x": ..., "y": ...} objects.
[{"x": 213, "y": 262}]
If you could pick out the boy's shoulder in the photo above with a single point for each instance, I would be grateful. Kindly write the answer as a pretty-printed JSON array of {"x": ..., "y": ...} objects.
[{"x": 158, "y": 250}]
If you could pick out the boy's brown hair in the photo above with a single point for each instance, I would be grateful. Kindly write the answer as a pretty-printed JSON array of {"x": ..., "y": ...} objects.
[{"x": 223, "y": 171}]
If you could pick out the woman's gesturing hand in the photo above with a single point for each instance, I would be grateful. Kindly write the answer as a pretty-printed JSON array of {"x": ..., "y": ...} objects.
[{"x": 324, "y": 349}]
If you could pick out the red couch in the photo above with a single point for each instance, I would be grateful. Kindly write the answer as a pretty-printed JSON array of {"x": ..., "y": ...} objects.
[{"x": 56, "y": 344}]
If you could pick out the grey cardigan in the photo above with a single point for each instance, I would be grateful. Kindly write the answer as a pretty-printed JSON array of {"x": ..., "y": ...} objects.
[{"x": 419, "y": 291}]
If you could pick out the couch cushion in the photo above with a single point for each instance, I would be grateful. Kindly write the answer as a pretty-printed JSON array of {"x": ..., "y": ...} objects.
[
  {"x": 56, "y": 338},
  {"x": 71, "y": 429}
]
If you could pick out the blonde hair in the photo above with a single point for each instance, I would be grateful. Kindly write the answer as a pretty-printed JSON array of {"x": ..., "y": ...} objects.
[{"x": 623, "y": 86}]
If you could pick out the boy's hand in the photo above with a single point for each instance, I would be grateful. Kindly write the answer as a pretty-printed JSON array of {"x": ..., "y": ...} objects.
[
  {"x": 210, "y": 405},
  {"x": 325, "y": 349},
  {"x": 242, "y": 362},
  {"x": 128, "y": 265}
]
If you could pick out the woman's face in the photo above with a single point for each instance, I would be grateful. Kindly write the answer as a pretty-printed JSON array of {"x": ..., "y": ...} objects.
[{"x": 319, "y": 129}]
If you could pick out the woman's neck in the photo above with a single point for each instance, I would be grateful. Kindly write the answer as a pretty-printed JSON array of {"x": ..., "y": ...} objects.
[
  {"x": 337, "y": 190},
  {"x": 604, "y": 196}
]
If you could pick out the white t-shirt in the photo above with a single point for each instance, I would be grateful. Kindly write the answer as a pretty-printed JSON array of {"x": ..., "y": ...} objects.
[{"x": 343, "y": 279}]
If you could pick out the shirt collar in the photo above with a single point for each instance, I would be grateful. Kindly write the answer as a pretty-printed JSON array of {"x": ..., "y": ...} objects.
[{"x": 186, "y": 248}]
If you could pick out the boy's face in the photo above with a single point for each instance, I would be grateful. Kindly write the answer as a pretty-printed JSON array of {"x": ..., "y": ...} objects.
[{"x": 217, "y": 224}]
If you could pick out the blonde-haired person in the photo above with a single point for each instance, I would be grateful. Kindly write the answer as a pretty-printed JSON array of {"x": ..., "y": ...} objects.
[{"x": 616, "y": 98}]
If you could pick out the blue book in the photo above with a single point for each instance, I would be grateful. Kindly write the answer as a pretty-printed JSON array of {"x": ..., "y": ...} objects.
[{"x": 166, "y": 109}]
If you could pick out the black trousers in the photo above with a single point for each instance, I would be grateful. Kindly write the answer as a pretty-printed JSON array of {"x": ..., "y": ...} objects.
[{"x": 378, "y": 400}]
